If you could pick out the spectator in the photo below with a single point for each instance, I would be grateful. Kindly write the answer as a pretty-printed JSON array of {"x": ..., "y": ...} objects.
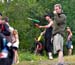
[
  {"x": 69, "y": 41},
  {"x": 58, "y": 32},
  {"x": 48, "y": 35},
  {"x": 15, "y": 44}
]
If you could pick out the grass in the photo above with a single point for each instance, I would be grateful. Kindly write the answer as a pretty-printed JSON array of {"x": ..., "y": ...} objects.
[{"x": 26, "y": 58}]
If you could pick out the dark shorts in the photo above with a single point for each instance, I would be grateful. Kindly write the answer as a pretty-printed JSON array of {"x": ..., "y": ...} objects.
[
  {"x": 68, "y": 44},
  {"x": 14, "y": 48}
]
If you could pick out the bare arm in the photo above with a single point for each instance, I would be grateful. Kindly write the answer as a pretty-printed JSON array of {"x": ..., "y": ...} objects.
[
  {"x": 46, "y": 26},
  {"x": 69, "y": 37},
  {"x": 15, "y": 38},
  {"x": 42, "y": 33}
]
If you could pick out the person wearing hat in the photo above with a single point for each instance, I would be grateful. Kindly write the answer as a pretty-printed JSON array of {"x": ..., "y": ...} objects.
[{"x": 48, "y": 35}]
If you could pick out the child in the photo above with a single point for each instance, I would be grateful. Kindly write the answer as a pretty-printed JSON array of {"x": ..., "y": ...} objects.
[
  {"x": 39, "y": 47},
  {"x": 14, "y": 39},
  {"x": 15, "y": 45},
  {"x": 69, "y": 41}
]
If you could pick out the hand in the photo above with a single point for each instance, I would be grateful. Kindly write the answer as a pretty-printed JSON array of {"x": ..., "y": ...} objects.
[
  {"x": 13, "y": 41},
  {"x": 54, "y": 12},
  {"x": 37, "y": 25},
  {"x": 42, "y": 33}
]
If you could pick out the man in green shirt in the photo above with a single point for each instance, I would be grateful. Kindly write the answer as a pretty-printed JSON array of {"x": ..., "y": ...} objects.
[{"x": 58, "y": 32}]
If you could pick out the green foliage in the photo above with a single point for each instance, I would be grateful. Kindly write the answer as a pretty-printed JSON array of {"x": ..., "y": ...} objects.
[
  {"x": 25, "y": 55},
  {"x": 19, "y": 10},
  {"x": 30, "y": 59}
]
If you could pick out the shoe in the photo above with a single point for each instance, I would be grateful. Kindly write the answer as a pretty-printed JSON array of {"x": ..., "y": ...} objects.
[
  {"x": 17, "y": 62},
  {"x": 50, "y": 57}
]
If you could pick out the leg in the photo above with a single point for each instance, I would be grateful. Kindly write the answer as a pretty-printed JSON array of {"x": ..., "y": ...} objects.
[
  {"x": 49, "y": 47},
  {"x": 69, "y": 51},
  {"x": 15, "y": 58},
  {"x": 60, "y": 51},
  {"x": 60, "y": 57},
  {"x": 70, "y": 47},
  {"x": 36, "y": 49},
  {"x": 58, "y": 47}
]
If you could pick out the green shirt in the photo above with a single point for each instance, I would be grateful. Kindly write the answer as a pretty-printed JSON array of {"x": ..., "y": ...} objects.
[{"x": 59, "y": 24}]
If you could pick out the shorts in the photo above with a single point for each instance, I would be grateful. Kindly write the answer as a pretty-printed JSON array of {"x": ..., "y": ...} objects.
[
  {"x": 16, "y": 44},
  {"x": 15, "y": 48},
  {"x": 57, "y": 43},
  {"x": 68, "y": 44}
]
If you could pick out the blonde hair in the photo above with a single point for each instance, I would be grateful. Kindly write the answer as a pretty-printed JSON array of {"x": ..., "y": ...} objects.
[
  {"x": 58, "y": 5},
  {"x": 15, "y": 32}
]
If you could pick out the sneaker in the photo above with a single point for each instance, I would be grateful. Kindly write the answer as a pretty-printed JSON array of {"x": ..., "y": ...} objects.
[
  {"x": 17, "y": 62},
  {"x": 51, "y": 57}
]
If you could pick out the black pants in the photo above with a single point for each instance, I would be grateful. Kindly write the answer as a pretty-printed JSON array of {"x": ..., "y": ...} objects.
[{"x": 48, "y": 44}]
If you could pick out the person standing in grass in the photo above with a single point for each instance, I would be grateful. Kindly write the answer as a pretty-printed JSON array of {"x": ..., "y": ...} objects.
[
  {"x": 38, "y": 47},
  {"x": 69, "y": 41},
  {"x": 58, "y": 32},
  {"x": 15, "y": 44},
  {"x": 48, "y": 34}
]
